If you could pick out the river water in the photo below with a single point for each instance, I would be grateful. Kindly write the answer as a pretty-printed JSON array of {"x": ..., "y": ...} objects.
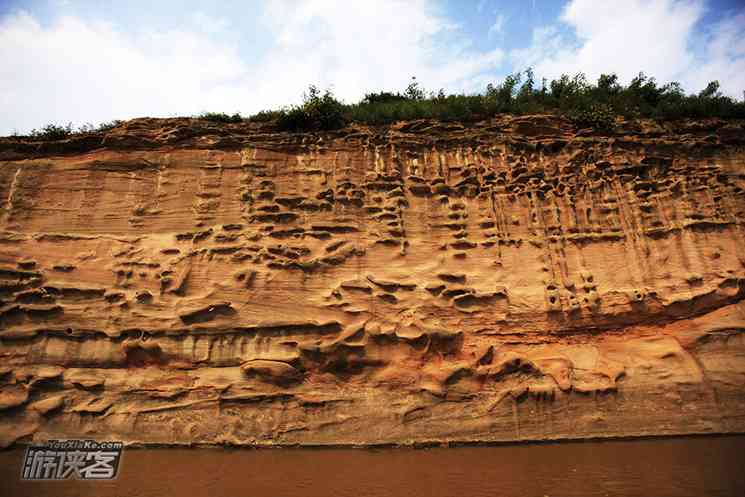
[{"x": 687, "y": 466}]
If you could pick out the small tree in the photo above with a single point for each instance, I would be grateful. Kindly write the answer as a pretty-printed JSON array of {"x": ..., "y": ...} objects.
[
  {"x": 711, "y": 90},
  {"x": 53, "y": 132},
  {"x": 527, "y": 88},
  {"x": 414, "y": 91},
  {"x": 318, "y": 111},
  {"x": 608, "y": 86},
  {"x": 500, "y": 98}
]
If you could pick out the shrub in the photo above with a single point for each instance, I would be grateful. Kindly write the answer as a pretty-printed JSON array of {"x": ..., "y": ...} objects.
[
  {"x": 221, "y": 117},
  {"x": 500, "y": 98},
  {"x": 104, "y": 126},
  {"x": 644, "y": 91},
  {"x": 109, "y": 125},
  {"x": 414, "y": 91},
  {"x": 608, "y": 86},
  {"x": 264, "y": 116},
  {"x": 382, "y": 97},
  {"x": 294, "y": 119},
  {"x": 52, "y": 132},
  {"x": 318, "y": 112},
  {"x": 598, "y": 116},
  {"x": 587, "y": 104}
]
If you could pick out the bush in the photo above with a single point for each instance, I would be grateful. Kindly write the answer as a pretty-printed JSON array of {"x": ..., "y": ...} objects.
[
  {"x": 414, "y": 91},
  {"x": 318, "y": 112},
  {"x": 501, "y": 98},
  {"x": 108, "y": 126},
  {"x": 57, "y": 132},
  {"x": 383, "y": 97},
  {"x": 104, "y": 126},
  {"x": 221, "y": 117},
  {"x": 52, "y": 132},
  {"x": 264, "y": 116},
  {"x": 598, "y": 116},
  {"x": 587, "y": 104}
]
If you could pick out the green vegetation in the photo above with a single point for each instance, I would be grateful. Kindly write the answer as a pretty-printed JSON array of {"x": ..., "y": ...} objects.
[
  {"x": 221, "y": 117},
  {"x": 105, "y": 126},
  {"x": 598, "y": 116},
  {"x": 318, "y": 111},
  {"x": 59, "y": 132},
  {"x": 265, "y": 116},
  {"x": 52, "y": 132},
  {"x": 586, "y": 104}
]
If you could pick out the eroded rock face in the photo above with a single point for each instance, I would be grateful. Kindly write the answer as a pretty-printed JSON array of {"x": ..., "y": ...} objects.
[{"x": 517, "y": 279}]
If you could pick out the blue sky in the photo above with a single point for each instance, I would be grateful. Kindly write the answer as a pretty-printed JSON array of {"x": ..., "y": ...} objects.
[{"x": 92, "y": 61}]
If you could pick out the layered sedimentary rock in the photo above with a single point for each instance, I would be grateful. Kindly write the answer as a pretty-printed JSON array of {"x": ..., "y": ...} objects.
[{"x": 174, "y": 281}]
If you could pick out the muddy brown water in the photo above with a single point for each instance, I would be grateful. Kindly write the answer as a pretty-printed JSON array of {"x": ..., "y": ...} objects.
[{"x": 688, "y": 466}]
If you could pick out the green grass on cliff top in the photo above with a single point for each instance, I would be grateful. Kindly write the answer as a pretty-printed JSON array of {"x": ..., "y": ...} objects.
[{"x": 587, "y": 104}]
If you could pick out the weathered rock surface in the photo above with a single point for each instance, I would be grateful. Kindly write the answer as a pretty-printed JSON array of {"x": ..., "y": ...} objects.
[{"x": 179, "y": 282}]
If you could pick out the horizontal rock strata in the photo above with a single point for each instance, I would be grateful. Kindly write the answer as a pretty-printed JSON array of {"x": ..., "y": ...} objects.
[{"x": 178, "y": 282}]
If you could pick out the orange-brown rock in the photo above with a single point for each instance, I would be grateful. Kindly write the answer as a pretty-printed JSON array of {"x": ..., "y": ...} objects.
[{"x": 175, "y": 281}]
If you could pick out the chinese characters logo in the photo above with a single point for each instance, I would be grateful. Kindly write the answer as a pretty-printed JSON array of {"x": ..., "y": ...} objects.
[{"x": 62, "y": 459}]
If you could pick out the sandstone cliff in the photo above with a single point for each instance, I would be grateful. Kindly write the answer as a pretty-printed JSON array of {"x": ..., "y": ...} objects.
[{"x": 175, "y": 281}]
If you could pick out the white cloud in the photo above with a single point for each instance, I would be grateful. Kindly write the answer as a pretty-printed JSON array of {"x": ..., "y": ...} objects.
[
  {"x": 723, "y": 58},
  {"x": 81, "y": 71},
  {"x": 77, "y": 71},
  {"x": 209, "y": 24},
  {"x": 496, "y": 28},
  {"x": 358, "y": 46},
  {"x": 655, "y": 37}
]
